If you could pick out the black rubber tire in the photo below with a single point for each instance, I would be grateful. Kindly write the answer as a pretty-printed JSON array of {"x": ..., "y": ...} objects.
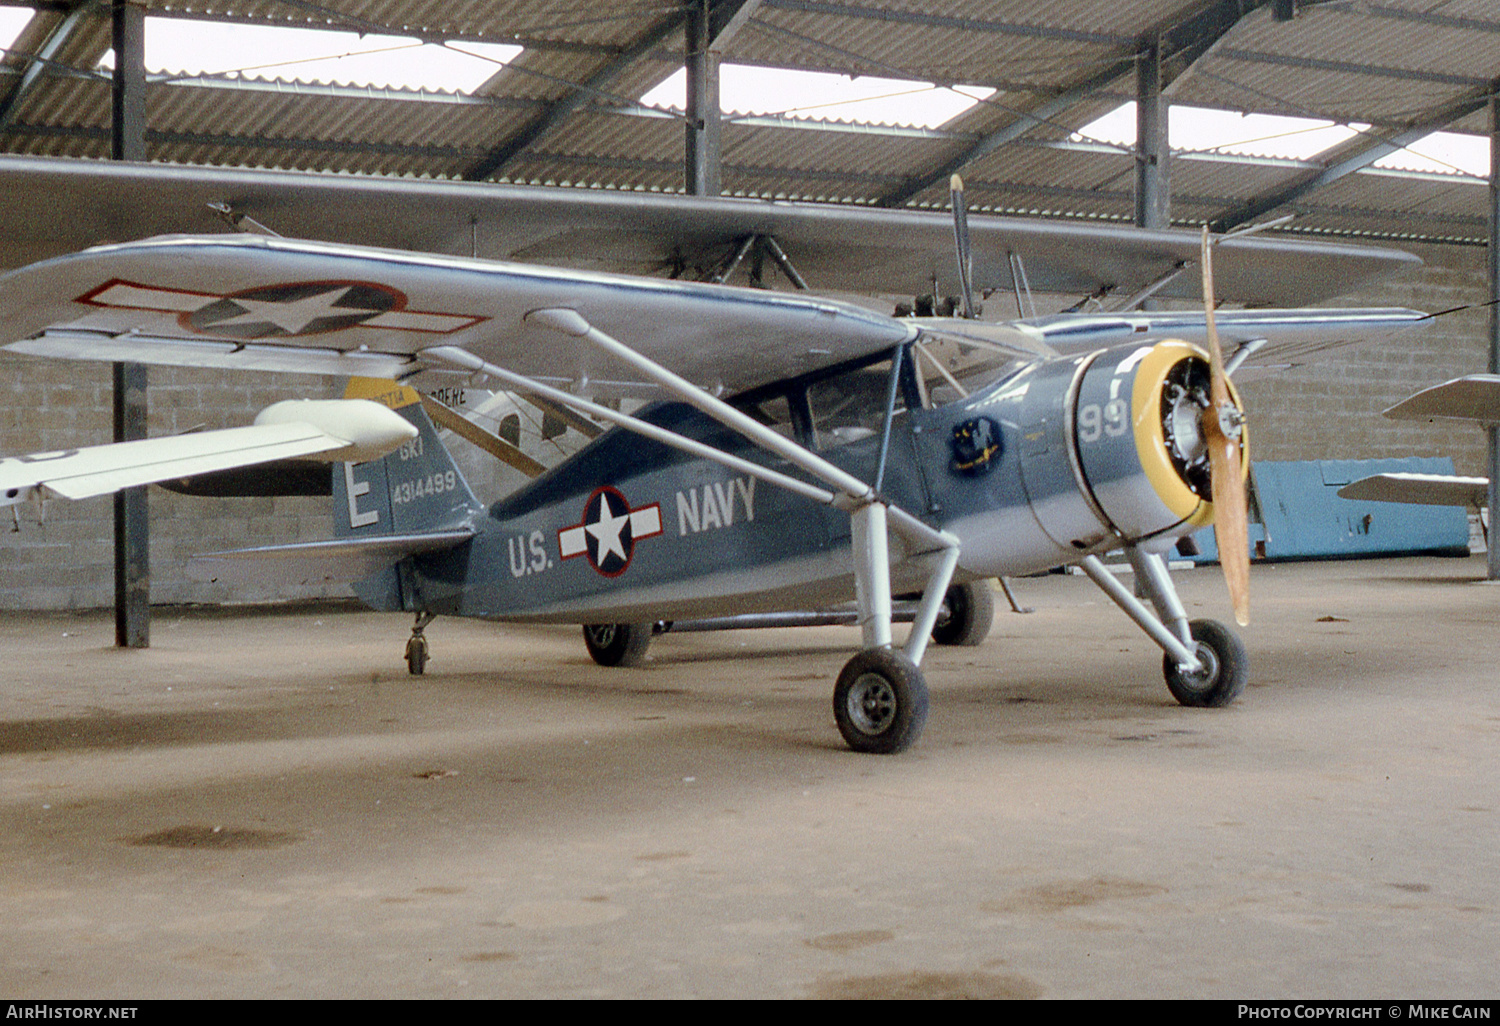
[
  {"x": 617, "y": 644},
  {"x": 416, "y": 655},
  {"x": 880, "y": 702},
  {"x": 971, "y": 611},
  {"x": 1227, "y": 668}
]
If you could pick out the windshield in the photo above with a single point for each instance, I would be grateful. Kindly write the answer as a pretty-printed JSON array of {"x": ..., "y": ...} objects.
[{"x": 951, "y": 366}]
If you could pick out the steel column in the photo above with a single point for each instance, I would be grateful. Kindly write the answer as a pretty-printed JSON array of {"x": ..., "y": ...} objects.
[
  {"x": 132, "y": 514},
  {"x": 704, "y": 128},
  {"x": 1152, "y": 154},
  {"x": 1493, "y": 431}
]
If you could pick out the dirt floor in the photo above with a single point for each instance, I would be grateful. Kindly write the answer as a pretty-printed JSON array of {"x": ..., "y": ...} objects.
[{"x": 264, "y": 804}]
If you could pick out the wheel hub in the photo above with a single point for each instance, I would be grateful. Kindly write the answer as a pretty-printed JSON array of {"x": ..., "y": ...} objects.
[
  {"x": 1207, "y": 674},
  {"x": 872, "y": 703}
]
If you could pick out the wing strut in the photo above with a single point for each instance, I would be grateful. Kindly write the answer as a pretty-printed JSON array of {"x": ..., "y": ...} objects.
[{"x": 869, "y": 512}]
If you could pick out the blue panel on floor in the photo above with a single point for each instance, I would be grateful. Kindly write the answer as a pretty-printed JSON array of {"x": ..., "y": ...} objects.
[{"x": 1305, "y": 518}]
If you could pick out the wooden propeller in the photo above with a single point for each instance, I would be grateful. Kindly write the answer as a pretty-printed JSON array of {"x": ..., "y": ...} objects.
[
  {"x": 1222, "y": 424},
  {"x": 961, "y": 245}
]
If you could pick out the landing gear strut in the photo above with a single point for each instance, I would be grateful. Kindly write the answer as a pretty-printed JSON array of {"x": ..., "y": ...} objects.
[
  {"x": 416, "y": 645},
  {"x": 880, "y": 699}
]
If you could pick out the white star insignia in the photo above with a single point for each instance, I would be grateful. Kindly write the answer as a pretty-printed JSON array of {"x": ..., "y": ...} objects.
[
  {"x": 293, "y": 317},
  {"x": 606, "y": 530}
]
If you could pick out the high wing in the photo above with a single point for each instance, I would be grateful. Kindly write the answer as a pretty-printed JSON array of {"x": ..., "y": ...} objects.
[
  {"x": 250, "y": 302},
  {"x": 256, "y": 303},
  {"x": 834, "y": 247},
  {"x": 332, "y": 430},
  {"x": 1267, "y": 341}
]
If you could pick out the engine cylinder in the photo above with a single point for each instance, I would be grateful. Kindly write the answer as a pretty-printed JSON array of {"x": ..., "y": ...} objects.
[{"x": 1130, "y": 423}]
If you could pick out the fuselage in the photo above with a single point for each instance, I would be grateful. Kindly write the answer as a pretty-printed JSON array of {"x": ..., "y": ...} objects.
[{"x": 1042, "y": 465}]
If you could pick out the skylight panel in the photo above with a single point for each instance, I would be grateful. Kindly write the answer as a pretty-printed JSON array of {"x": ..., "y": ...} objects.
[
  {"x": 1204, "y": 130},
  {"x": 12, "y": 21},
  {"x": 811, "y": 95},
  {"x": 1444, "y": 153},
  {"x": 175, "y": 45}
]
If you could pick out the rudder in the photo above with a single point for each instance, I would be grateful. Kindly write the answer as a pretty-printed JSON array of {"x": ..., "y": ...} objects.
[{"x": 416, "y": 488}]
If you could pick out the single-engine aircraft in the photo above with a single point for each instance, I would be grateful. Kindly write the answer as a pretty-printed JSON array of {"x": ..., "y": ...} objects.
[{"x": 801, "y": 451}]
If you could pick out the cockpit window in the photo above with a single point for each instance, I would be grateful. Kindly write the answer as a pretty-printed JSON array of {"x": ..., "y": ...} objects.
[
  {"x": 775, "y": 413},
  {"x": 850, "y": 406}
]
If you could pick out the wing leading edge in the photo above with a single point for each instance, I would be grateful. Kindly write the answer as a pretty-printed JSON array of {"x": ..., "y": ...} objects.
[
  {"x": 1474, "y": 397},
  {"x": 252, "y": 303},
  {"x": 1420, "y": 489},
  {"x": 274, "y": 304}
]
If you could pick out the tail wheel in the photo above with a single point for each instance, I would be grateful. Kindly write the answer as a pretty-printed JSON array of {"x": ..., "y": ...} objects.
[
  {"x": 880, "y": 702},
  {"x": 617, "y": 644},
  {"x": 416, "y": 655},
  {"x": 1225, "y": 670},
  {"x": 970, "y": 610}
]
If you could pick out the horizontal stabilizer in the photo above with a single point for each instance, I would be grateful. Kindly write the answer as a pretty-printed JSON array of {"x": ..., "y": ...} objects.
[
  {"x": 1420, "y": 489},
  {"x": 343, "y": 559},
  {"x": 1475, "y": 397}
]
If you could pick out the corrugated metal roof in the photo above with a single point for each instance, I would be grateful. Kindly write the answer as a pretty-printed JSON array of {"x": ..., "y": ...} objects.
[{"x": 1391, "y": 63}]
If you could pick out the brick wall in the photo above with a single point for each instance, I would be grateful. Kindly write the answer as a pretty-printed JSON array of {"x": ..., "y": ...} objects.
[
  {"x": 1323, "y": 411},
  {"x": 1333, "y": 410}
]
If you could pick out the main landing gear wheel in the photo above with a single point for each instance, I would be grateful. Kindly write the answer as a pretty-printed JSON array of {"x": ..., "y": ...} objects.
[
  {"x": 1225, "y": 667},
  {"x": 880, "y": 702},
  {"x": 617, "y": 644},
  {"x": 969, "y": 612}
]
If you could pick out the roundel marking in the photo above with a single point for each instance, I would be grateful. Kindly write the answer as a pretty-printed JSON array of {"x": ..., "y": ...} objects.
[
  {"x": 294, "y": 309},
  {"x": 608, "y": 533}
]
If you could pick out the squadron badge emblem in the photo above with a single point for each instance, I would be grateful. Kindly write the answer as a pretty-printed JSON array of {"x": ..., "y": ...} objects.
[{"x": 976, "y": 447}]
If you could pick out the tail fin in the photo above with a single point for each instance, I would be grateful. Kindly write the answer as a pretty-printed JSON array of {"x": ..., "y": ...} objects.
[{"x": 415, "y": 489}]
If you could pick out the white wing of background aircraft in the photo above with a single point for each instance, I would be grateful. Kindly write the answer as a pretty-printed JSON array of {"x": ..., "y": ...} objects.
[
  {"x": 1474, "y": 398},
  {"x": 327, "y": 430}
]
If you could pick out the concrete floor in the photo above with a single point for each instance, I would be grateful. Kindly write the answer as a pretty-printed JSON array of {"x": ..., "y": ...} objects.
[{"x": 265, "y": 805}]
